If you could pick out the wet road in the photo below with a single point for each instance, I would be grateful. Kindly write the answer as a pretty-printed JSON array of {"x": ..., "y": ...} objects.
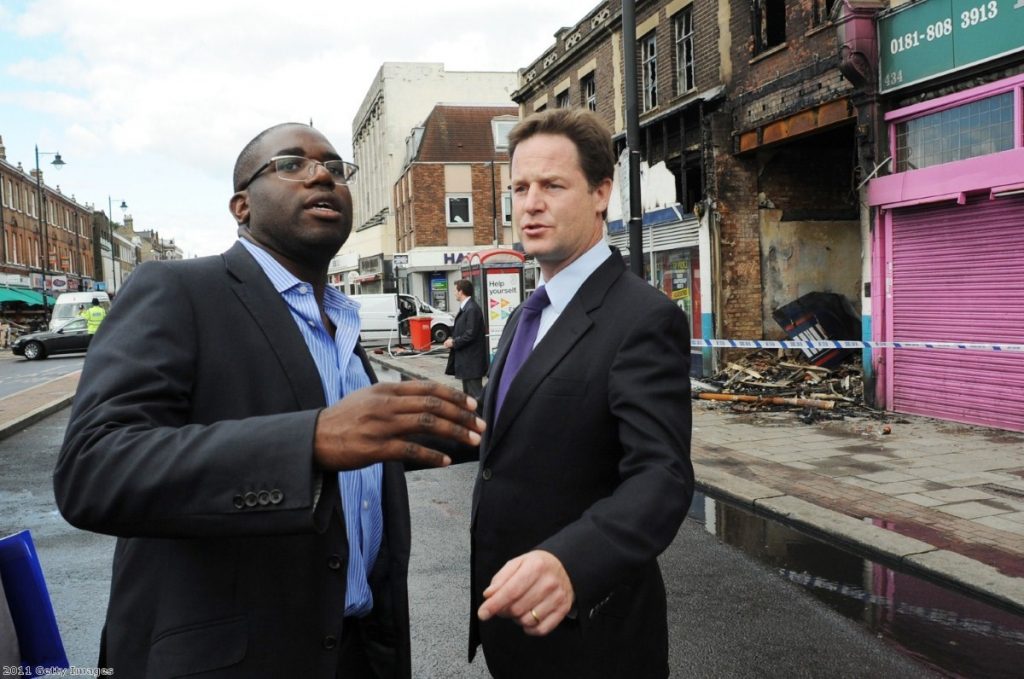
[
  {"x": 729, "y": 615},
  {"x": 16, "y": 373}
]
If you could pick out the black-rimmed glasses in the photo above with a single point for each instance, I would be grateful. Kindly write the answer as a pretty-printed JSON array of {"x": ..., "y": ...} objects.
[{"x": 299, "y": 169}]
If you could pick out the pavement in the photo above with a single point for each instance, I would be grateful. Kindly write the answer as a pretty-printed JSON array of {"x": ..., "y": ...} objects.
[{"x": 937, "y": 499}]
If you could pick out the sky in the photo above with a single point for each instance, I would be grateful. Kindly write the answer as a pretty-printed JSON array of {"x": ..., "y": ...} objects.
[{"x": 150, "y": 102}]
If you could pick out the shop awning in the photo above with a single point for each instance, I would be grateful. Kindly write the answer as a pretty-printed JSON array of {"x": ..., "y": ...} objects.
[{"x": 29, "y": 297}]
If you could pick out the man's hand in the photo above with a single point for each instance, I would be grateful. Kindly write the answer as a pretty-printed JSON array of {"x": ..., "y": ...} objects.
[
  {"x": 373, "y": 425},
  {"x": 533, "y": 590},
  {"x": 449, "y": 343}
]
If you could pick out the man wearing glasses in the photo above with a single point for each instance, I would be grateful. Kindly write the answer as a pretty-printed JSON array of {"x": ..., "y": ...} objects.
[{"x": 226, "y": 431}]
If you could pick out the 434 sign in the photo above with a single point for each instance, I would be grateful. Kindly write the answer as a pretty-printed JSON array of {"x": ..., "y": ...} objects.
[{"x": 934, "y": 37}]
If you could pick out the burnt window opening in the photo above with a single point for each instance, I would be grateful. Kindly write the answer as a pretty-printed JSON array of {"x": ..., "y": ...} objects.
[
  {"x": 649, "y": 61},
  {"x": 588, "y": 92},
  {"x": 769, "y": 24},
  {"x": 821, "y": 12},
  {"x": 689, "y": 187},
  {"x": 683, "y": 25}
]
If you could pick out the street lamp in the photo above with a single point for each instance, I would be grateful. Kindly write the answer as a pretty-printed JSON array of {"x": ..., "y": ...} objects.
[
  {"x": 57, "y": 163},
  {"x": 110, "y": 229}
]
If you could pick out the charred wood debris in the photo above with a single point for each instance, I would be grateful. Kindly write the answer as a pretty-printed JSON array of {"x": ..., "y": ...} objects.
[{"x": 783, "y": 381}]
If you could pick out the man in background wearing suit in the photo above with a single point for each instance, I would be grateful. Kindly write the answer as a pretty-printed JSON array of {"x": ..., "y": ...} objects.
[
  {"x": 585, "y": 473},
  {"x": 468, "y": 343},
  {"x": 226, "y": 431}
]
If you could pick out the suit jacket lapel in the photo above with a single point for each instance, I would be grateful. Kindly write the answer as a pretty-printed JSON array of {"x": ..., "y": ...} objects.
[
  {"x": 571, "y": 325},
  {"x": 254, "y": 290}
]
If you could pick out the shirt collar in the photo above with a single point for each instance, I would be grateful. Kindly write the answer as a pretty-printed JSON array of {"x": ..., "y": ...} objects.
[
  {"x": 564, "y": 285},
  {"x": 284, "y": 280}
]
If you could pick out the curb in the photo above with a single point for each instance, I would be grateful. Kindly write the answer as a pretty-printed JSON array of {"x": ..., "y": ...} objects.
[
  {"x": 872, "y": 542},
  {"x": 30, "y": 418},
  {"x": 866, "y": 540}
]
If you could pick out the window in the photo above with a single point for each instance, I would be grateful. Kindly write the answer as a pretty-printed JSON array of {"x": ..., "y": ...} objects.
[
  {"x": 562, "y": 99},
  {"x": 500, "y": 130},
  {"x": 588, "y": 92},
  {"x": 649, "y": 61},
  {"x": 966, "y": 131},
  {"x": 769, "y": 24},
  {"x": 821, "y": 12},
  {"x": 459, "y": 209},
  {"x": 683, "y": 24},
  {"x": 506, "y": 208}
]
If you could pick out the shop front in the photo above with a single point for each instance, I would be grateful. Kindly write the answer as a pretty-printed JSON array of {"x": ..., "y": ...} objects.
[
  {"x": 671, "y": 261},
  {"x": 430, "y": 274},
  {"x": 949, "y": 247}
]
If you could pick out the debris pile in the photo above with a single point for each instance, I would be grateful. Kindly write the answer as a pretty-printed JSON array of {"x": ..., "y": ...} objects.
[{"x": 783, "y": 379}]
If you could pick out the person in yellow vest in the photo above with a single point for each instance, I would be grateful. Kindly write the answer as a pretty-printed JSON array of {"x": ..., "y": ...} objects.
[{"x": 93, "y": 316}]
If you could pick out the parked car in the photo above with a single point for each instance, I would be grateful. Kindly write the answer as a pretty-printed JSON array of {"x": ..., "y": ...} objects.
[{"x": 71, "y": 338}]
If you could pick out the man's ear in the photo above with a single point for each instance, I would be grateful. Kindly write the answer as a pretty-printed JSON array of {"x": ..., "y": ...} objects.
[
  {"x": 602, "y": 194},
  {"x": 239, "y": 206}
]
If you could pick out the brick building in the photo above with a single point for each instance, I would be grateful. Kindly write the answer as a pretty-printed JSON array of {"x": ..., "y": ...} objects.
[
  {"x": 65, "y": 228},
  {"x": 752, "y": 139},
  {"x": 681, "y": 90},
  {"x": 399, "y": 98},
  {"x": 452, "y": 197}
]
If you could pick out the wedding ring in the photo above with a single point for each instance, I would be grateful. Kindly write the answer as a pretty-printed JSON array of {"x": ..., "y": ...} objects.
[{"x": 535, "y": 616}]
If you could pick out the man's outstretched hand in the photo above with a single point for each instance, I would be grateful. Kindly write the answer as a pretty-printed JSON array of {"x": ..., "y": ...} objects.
[{"x": 376, "y": 424}]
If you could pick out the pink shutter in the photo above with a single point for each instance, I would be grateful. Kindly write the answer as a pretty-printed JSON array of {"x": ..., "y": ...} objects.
[{"x": 958, "y": 275}]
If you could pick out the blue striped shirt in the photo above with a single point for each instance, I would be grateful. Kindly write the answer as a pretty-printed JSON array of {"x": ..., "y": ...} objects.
[{"x": 341, "y": 373}]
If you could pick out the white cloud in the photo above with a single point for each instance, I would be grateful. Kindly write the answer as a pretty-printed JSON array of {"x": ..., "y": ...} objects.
[{"x": 133, "y": 89}]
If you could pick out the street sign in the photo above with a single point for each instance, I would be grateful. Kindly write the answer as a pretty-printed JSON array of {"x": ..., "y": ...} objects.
[
  {"x": 935, "y": 37},
  {"x": 401, "y": 260}
]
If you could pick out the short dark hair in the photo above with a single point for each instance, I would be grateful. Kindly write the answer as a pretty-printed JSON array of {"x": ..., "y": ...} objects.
[
  {"x": 584, "y": 129},
  {"x": 243, "y": 165},
  {"x": 464, "y": 286},
  {"x": 96, "y": 301}
]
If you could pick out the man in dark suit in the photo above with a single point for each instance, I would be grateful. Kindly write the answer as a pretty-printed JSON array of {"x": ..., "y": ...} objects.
[
  {"x": 226, "y": 432},
  {"x": 468, "y": 343},
  {"x": 585, "y": 473}
]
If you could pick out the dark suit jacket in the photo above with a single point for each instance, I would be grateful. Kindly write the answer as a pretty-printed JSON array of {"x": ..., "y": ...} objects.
[
  {"x": 191, "y": 441},
  {"x": 468, "y": 357},
  {"x": 589, "y": 459}
]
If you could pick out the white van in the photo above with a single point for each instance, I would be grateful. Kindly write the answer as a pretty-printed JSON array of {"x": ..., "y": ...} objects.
[
  {"x": 70, "y": 305},
  {"x": 382, "y": 317}
]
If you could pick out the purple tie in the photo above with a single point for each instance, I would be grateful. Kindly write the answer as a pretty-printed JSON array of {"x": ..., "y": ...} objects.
[{"x": 522, "y": 343}]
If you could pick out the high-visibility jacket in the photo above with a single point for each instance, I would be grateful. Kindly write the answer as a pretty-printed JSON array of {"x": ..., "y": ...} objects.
[{"x": 93, "y": 316}]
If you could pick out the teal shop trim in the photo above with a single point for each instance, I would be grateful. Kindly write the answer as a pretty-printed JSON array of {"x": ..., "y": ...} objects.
[{"x": 865, "y": 335}]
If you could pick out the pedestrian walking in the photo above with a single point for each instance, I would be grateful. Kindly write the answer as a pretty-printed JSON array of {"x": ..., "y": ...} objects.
[{"x": 467, "y": 359}]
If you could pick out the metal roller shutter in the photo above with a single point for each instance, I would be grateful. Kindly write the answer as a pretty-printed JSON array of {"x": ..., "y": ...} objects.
[{"x": 958, "y": 275}]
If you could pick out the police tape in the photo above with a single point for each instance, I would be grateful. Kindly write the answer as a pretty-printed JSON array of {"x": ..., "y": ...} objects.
[{"x": 849, "y": 344}]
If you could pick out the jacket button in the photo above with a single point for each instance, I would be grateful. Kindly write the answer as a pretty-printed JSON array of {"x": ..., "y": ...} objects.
[
  {"x": 487, "y": 474},
  {"x": 334, "y": 562},
  {"x": 263, "y": 497},
  {"x": 276, "y": 496},
  {"x": 239, "y": 502},
  {"x": 251, "y": 499},
  {"x": 330, "y": 642}
]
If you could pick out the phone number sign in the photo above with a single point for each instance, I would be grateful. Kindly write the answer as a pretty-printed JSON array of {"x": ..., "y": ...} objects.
[{"x": 934, "y": 37}]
